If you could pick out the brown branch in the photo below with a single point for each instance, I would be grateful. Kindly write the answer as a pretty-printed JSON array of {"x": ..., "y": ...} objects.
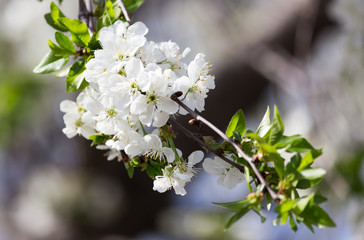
[
  {"x": 175, "y": 96},
  {"x": 203, "y": 144},
  {"x": 85, "y": 15}
]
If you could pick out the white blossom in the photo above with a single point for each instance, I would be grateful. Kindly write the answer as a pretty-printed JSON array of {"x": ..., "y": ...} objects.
[
  {"x": 229, "y": 176},
  {"x": 178, "y": 176},
  {"x": 128, "y": 97}
]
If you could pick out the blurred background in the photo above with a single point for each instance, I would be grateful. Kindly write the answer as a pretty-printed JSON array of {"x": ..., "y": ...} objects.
[{"x": 305, "y": 56}]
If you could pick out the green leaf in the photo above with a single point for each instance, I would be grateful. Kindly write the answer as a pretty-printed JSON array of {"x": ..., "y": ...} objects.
[
  {"x": 53, "y": 17},
  {"x": 264, "y": 125},
  {"x": 94, "y": 44},
  {"x": 308, "y": 159},
  {"x": 110, "y": 14},
  {"x": 300, "y": 145},
  {"x": 79, "y": 31},
  {"x": 130, "y": 170},
  {"x": 268, "y": 148},
  {"x": 281, "y": 219},
  {"x": 75, "y": 80},
  {"x": 64, "y": 42},
  {"x": 132, "y": 5},
  {"x": 277, "y": 128},
  {"x": 236, "y": 206},
  {"x": 154, "y": 169},
  {"x": 103, "y": 21},
  {"x": 237, "y": 123},
  {"x": 302, "y": 203},
  {"x": 58, "y": 51},
  {"x": 99, "y": 139},
  {"x": 292, "y": 223},
  {"x": 239, "y": 214},
  {"x": 285, "y": 207},
  {"x": 255, "y": 136},
  {"x": 257, "y": 209},
  {"x": 318, "y": 217},
  {"x": 295, "y": 143},
  {"x": 247, "y": 177},
  {"x": 109, "y": 6},
  {"x": 50, "y": 63},
  {"x": 278, "y": 164},
  {"x": 313, "y": 173}
]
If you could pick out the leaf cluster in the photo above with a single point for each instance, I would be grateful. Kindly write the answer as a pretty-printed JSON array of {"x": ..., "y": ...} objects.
[
  {"x": 76, "y": 42},
  {"x": 269, "y": 148}
]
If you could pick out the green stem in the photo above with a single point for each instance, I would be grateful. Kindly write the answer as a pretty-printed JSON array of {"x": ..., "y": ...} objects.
[
  {"x": 142, "y": 127},
  {"x": 171, "y": 144}
]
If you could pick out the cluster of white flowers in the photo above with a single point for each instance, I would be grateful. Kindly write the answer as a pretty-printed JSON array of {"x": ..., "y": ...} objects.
[{"x": 128, "y": 98}]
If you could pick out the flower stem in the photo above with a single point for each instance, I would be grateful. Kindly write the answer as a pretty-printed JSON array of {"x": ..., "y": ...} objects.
[
  {"x": 171, "y": 144},
  {"x": 143, "y": 129}
]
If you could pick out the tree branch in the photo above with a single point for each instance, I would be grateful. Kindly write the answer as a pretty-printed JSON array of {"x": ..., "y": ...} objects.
[
  {"x": 123, "y": 9},
  {"x": 175, "y": 96},
  {"x": 85, "y": 15},
  {"x": 203, "y": 144}
]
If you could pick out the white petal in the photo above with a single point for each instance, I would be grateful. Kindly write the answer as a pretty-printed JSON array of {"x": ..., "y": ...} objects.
[
  {"x": 68, "y": 106},
  {"x": 138, "y": 28},
  {"x": 195, "y": 158},
  {"x": 211, "y": 167},
  {"x": 160, "y": 119},
  {"x": 169, "y": 154},
  {"x": 133, "y": 67},
  {"x": 139, "y": 105},
  {"x": 153, "y": 141},
  {"x": 167, "y": 105}
]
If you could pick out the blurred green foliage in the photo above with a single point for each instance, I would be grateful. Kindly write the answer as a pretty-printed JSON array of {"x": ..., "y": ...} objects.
[{"x": 20, "y": 92}]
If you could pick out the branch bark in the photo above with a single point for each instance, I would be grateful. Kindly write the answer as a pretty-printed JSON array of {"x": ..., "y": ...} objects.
[{"x": 203, "y": 144}]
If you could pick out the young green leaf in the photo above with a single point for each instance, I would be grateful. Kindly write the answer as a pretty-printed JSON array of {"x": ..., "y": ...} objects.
[
  {"x": 64, "y": 42},
  {"x": 50, "y": 63},
  {"x": 302, "y": 203},
  {"x": 308, "y": 159},
  {"x": 247, "y": 177},
  {"x": 79, "y": 31},
  {"x": 264, "y": 125},
  {"x": 318, "y": 217},
  {"x": 103, "y": 21},
  {"x": 236, "y": 206},
  {"x": 132, "y": 5},
  {"x": 75, "y": 79},
  {"x": 129, "y": 169},
  {"x": 313, "y": 173},
  {"x": 53, "y": 17},
  {"x": 99, "y": 139},
  {"x": 154, "y": 169},
  {"x": 239, "y": 214},
  {"x": 292, "y": 223},
  {"x": 58, "y": 51},
  {"x": 277, "y": 128},
  {"x": 278, "y": 163},
  {"x": 237, "y": 123}
]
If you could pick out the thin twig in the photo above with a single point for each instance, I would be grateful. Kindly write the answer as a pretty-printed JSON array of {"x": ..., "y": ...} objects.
[
  {"x": 175, "y": 96},
  {"x": 123, "y": 9},
  {"x": 203, "y": 144},
  {"x": 85, "y": 16},
  {"x": 90, "y": 17}
]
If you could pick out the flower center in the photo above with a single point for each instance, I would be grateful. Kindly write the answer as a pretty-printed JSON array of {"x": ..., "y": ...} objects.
[
  {"x": 152, "y": 98},
  {"x": 111, "y": 112}
]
